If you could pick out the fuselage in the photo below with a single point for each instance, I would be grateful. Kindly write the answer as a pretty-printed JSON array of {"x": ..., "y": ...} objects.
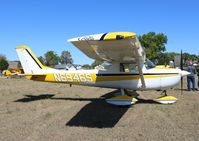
[
  {"x": 110, "y": 75},
  {"x": 157, "y": 79}
]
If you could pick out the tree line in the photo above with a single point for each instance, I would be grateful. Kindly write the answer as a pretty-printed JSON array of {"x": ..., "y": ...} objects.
[
  {"x": 3, "y": 63},
  {"x": 51, "y": 58},
  {"x": 155, "y": 48},
  {"x": 153, "y": 43}
]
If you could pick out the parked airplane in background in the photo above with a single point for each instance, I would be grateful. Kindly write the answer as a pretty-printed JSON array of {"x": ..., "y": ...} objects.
[
  {"x": 15, "y": 72},
  {"x": 125, "y": 67}
]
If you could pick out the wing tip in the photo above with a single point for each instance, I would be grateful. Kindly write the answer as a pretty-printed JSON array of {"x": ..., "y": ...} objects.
[{"x": 22, "y": 46}]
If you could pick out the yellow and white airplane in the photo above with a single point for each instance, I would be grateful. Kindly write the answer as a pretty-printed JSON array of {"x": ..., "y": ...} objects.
[{"x": 125, "y": 67}]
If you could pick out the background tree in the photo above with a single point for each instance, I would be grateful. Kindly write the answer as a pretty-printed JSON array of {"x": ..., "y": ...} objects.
[
  {"x": 42, "y": 60},
  {"x": 96, "y": 63},
  {"x": 154, "y": 45},
  {"x": 51, "y": 58},
  {"x": 166, "y": 57},
  {"x": 19, "y": 65},
  {"x": 3, "y": 63},
  {"x": 86, "y": 66},
  {"x": 66, "y": 58},
  {"x": 169, "y": 56}
]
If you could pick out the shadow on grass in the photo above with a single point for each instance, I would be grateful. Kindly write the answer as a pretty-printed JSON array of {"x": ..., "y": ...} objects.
[
  {"x": 99, "y": 114},
  {"x": 96, "y": 114},
  {"x": 146, "y": 101},
  {"x": 30, "y": 98}
]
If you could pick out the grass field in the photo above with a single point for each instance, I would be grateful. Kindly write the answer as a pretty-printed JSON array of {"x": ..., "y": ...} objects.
[{"x": 45, "y": 111}]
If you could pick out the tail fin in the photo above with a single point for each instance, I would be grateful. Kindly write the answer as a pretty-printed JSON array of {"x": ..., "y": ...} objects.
[{"x": 29, "y": 62}]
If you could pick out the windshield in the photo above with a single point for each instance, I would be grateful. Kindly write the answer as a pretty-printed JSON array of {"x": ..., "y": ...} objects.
[{"x": 149, "y": 64}]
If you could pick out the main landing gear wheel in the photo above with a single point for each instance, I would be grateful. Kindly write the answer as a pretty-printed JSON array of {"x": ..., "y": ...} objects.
[
  {"x": 165, "y": 99},
  {"x": 122, "y": 100}
]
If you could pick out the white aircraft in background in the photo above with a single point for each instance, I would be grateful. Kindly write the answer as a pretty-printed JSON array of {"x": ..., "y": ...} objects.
[{"x": 125, "y": 67}]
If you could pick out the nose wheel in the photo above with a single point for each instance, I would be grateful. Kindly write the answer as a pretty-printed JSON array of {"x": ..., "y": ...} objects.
[{"x": 165, "y": 99}]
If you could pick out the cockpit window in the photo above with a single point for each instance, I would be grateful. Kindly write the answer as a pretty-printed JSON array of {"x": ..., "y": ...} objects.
[
  {"x": 104, "y": 66},
  {"x": 125, "y": 67},
  {"x": 130, "y": 68},
  {"x": 149, "y": 64}
]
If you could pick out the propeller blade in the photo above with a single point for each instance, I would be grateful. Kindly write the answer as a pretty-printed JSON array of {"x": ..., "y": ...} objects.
[
  {"x": 181, "y": 60},
  {"x": 181, "y": 67}
]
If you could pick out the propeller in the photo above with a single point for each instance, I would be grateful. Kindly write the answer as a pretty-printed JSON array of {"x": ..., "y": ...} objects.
[
  {"x": 181, "y": 67},
  {"x": 183, "y": 72}
]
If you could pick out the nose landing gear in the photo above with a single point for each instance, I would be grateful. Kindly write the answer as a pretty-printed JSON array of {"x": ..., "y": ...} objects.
[{"x": 165, "y": 99}]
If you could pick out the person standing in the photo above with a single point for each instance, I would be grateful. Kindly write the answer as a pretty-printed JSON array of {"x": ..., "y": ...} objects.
[
  {"x": 191, "y": 76},
  {"x": 198, "y": 75}
]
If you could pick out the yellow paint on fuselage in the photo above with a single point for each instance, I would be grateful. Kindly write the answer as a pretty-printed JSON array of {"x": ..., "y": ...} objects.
[
  {"x": 76, "y": 78},
  {"x": 164, "y": 67}
]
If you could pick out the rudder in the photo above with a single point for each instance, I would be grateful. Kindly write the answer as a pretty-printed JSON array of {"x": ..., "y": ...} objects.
[{"x": 29, "y": 62}]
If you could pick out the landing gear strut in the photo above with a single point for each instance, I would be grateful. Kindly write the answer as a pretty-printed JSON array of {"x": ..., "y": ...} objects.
[{"x": 164, "y": 92}]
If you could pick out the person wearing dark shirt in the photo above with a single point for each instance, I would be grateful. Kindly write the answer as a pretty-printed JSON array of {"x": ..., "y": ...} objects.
[{"x": 191, "y": 77}]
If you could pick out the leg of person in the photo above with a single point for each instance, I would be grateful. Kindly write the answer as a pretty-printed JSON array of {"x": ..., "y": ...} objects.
[
  {"x": 188, "y": 83},
  {"x": 196, "y": 82},
  {"x": 193, "y": 83}
]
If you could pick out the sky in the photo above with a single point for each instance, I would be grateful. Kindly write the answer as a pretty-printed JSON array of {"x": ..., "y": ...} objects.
[{"x": 45, "y": 25}]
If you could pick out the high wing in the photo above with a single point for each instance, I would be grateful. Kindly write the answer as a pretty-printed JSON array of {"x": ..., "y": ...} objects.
[{"x": 122, "y": 47}]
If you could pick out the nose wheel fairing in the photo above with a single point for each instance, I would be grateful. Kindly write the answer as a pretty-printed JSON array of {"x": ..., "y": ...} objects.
[{"x": 166, "y": 100}]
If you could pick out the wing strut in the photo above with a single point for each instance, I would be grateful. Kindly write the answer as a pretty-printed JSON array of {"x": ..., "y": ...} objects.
[
  {"x": 140, "y": 62},
  {"x": 141, "y": 72}
]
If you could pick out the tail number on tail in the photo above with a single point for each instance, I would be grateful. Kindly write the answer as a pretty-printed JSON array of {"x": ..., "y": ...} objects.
[{"x": 64, "y": 77}]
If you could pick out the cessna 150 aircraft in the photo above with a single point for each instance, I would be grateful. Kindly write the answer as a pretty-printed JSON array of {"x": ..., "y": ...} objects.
[{"x": 125, "y": 67}]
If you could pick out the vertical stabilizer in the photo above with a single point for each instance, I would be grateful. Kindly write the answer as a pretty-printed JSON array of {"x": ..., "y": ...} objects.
[{"x": 29, "y": 62}]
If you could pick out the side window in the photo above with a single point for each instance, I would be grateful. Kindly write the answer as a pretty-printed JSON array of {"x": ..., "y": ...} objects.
[{"x": 130, "y": 68}]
